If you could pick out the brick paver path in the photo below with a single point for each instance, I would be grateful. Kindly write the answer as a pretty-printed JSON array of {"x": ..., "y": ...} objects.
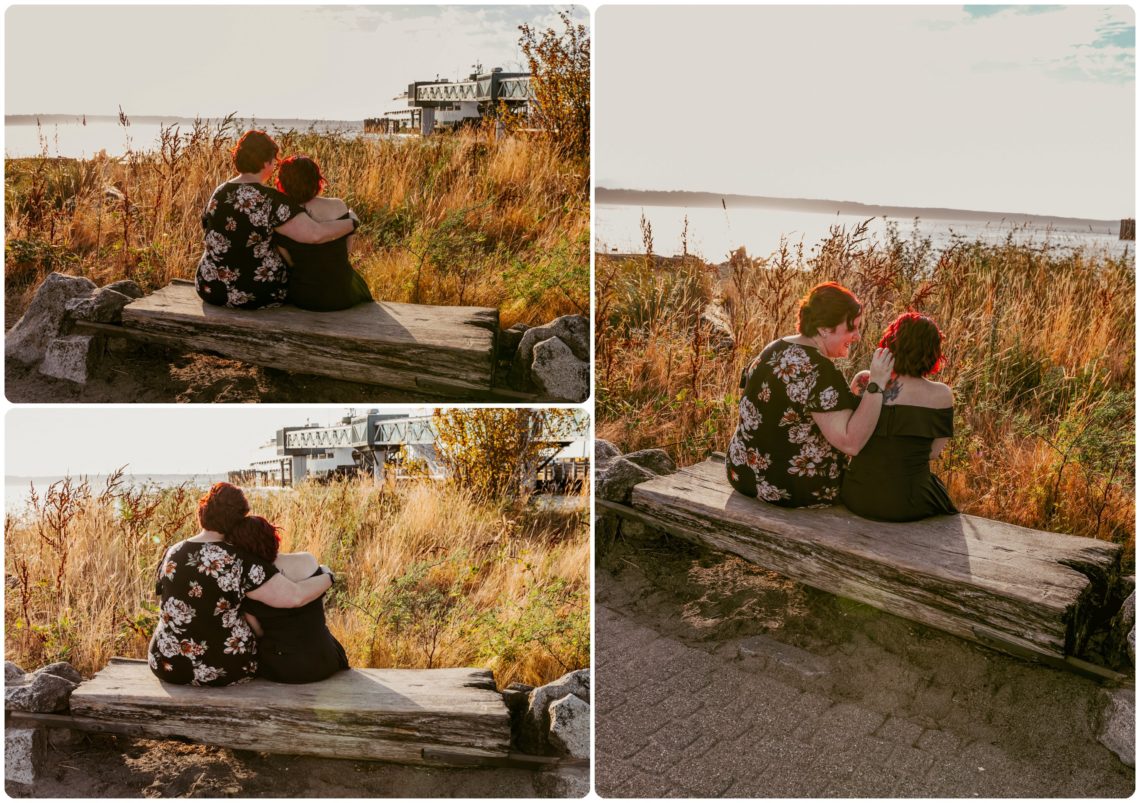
[{"x": 759, "y": 718}]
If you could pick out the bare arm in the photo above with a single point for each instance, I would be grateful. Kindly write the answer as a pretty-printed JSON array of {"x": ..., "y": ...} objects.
[
  {"x": 304, "y": 229},
  {"x": 281, "y": 592},
  {"x": 849, "y": 431},
  {"x": 254, "y": 624}
]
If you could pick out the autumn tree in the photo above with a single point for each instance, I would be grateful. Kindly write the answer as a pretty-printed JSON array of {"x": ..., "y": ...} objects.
[
  {"x": 494, "y": 452},
  {"x": 559, "y": 64}
]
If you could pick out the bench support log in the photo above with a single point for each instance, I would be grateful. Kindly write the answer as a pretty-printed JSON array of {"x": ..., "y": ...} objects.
[
  {"x": 406, "y": 346},
  {"x": 445, "y": 717},
  {"x": 1026, "y": 592}
]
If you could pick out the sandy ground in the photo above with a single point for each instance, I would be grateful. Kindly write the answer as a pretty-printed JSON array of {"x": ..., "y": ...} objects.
[
  {"x": 152, "y": 374},
  {"x": 118, "y": 767},
  {"x": 911, "y": 712}
]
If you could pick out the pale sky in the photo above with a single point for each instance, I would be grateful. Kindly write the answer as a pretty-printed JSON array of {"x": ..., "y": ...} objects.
[
  {"x": 999, "y": 108},
  {"x": 181, "y": 440},
  {"x": 310, "y": 62}
]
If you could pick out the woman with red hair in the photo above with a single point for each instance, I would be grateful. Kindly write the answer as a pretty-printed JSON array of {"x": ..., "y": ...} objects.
[
  {"x": 240, "y": 266},
  {"x": 294, "y": 645},
  {"x": 320, "y": 275},
  {"x": 201, "y": 638},
  {"x": 890, "y": 479}
]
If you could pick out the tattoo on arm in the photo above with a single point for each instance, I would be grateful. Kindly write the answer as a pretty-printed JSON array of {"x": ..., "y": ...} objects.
[
  {"x": 891, "y": 392},
  {"x": 861, "y": 383}
]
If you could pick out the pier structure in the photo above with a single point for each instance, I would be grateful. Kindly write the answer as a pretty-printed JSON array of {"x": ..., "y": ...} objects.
[
  {"x": 382, "y": 445},
  {"x": 447, "y": 104}
]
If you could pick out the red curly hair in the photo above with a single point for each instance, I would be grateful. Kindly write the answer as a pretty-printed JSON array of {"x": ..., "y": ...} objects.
[
  {"x": 300, "y": 178},
  {"x": 221, "y": 507},
  {"x": 257, "y": 536},
  {"x": 915, "y": 341}
]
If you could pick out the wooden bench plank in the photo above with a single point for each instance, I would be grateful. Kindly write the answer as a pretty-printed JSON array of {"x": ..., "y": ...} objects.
[
  {"x": 979, "y": 579},
  {"x": 382, "y": 343},
  {"x": 376, "y": 714}
]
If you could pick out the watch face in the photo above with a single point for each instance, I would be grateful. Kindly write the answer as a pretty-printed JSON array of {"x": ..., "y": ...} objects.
[{"x": 873, "y": 387}]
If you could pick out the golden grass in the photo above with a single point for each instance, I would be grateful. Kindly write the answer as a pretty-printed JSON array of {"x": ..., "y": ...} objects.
[
  {"x": 427, "y": 575},
  {"x": 1039, "y": 342},
  {"x": 459, "y": 219}
]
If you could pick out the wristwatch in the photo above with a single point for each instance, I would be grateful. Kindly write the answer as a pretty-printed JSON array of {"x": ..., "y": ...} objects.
[{"x": 873, "y": 387}]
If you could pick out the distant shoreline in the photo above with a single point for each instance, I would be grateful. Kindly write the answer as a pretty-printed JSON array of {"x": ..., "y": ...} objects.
[
  {"x": 685, "y": 198},
  {"x": 153, "y": 119}
]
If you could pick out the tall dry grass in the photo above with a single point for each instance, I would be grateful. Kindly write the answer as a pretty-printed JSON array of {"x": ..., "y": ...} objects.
[
  {"x": 1039, "y": 341},
  {"x": 462, "y": 219},
  {"x": 428, "y": 576}
]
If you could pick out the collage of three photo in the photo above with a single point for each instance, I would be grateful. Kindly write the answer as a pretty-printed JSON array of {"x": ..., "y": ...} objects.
[{"x": 522, "y": 401}]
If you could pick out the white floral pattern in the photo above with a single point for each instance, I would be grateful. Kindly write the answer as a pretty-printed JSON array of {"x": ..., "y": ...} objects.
[
  {"x": 777, "y": 451},
  {"x": 240, "y": 266},
  {"x": 189, "y": 644}
]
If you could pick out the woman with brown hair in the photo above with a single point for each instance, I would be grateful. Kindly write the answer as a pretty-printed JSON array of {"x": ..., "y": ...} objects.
[
  {"x": 798, "y": 418},
  {"x": 890, "y": 479},
  {"x": 294, "y": 645},
  {"x": 239, "y": 266},
  {"x": 201, "y": 638},
  {"x": 320, "y": 275}
]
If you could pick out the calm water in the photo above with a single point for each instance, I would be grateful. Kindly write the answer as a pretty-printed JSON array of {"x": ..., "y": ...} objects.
[
  {"x": 74, "y": 139},
  {"x": 714, "y": 232}
]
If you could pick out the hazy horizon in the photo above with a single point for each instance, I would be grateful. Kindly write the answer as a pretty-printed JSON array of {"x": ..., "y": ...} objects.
[
  {"x": 271, "y": 62},
  {"x": 1026, "y": 108}
]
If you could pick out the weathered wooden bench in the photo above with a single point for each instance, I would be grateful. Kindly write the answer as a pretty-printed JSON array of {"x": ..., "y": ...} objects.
[
  {"x": 439, "y": 717},
  {"x": 430, "y": 349},
  {"x": 1030, "y": 593}
]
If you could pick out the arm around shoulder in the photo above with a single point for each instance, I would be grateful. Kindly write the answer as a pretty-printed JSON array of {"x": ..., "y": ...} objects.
[{"x": 281, "y": 592}]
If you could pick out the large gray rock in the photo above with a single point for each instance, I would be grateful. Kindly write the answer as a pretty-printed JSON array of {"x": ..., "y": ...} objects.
[
  {"x": 103, "y": 306},
  {"x": 72, "y": 357},
  {"x": 572, "y": 330},
  {"x": 63, "y": 670},
  {"x": 1117, "y": 729},
  {"x": 564, "y": 782},
  {"x": 618, "y": 479},
  {"x": 28, "y": 340},
  {"x": 718, "y": 327},
  {"x": 656, "y": 460},
  {"x": 558, "y": 373},
  {"x": 535, "y": 731},
  {"x": 1122, "y": 631},
  {"x": 44, "y": 692},
  {"x": 14, "y": 675},
  {"x": 23, "y": 750},
  {"x": 126, "y": 287},
  {"x": 570, "y": 727},
  {"x": 604, "y": 450}
]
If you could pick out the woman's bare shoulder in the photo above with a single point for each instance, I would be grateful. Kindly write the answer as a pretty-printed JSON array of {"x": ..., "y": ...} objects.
[
  {"x": 940, "y": 393},
  {"x": 330, "y": 208},
  {"x": 296, "y": 565}
]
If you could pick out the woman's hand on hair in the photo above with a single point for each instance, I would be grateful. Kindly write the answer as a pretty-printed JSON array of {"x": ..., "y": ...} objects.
[{"x": 882, "y": 364}]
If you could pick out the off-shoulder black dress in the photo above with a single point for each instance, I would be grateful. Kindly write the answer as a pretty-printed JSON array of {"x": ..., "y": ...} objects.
[
  {"x": 890, "y": 478},
  {"x": 296, "y": 645},
  {"x": 321, "y": 277}
]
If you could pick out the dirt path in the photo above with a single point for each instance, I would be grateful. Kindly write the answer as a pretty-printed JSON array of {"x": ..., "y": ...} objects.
[
  {"x": 118, "y": 767},
  {"x": 716, "y": 678}
]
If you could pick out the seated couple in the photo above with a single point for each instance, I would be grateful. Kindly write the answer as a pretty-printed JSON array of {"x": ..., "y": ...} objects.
[
  {"x": 265, "y": 247},
  {"x": 233, "y": 608},
  {"x": 800, "y": 419}
]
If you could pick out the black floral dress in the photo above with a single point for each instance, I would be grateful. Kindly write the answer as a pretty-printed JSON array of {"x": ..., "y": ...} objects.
[
  {"x": 201, "y": 638},
  {"x": 778, "y": 453},
  {"x": 240, "y": 267}
]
